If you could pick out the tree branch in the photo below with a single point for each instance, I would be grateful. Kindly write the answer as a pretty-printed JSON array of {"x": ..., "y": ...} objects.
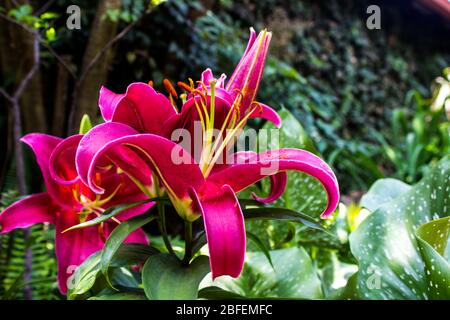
[
  {"x": 93, "y": 62},
  {"x": 18, "y": 151},
  {"x": 42, "y": 41}
]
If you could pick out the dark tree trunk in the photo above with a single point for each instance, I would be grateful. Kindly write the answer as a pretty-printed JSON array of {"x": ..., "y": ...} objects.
[
  {"x": 61, "y": 93},
  {"x": 86, "y": 92}
]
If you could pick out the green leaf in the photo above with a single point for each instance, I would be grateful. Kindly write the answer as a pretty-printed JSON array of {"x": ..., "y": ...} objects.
[
  {"x": 50, "y": 35},
  {"x": 119, "y": 296},
  {"x": 16, "y": 285},
  {"x": 293, "y": 276},
  {"x": 433, "y": 239},
  {"x": 165, "y": 278},
  {"x": 349, "y": 291},
  {"x": 84, "y": 277},
  {"x": 383, "y": 191},
  {"x": 85, "y": 124},
  {"x": 260, "y": 245},
  {"x": 216, "y": 293},
  {"x": 49, "y": 15},
  {"x": 116, "y": 238},
  {"x": 86, "y": 274},
  {"x": 108, "y": 214},
  {"x": 394, "y": 262},
  {"x": 281, "y": 214},
  {"x": 132, "y": 254}
]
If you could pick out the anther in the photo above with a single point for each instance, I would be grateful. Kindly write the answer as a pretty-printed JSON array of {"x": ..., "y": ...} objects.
[
  {"x": 170, "y": 88},
  {"x": 184, "y": 86}
]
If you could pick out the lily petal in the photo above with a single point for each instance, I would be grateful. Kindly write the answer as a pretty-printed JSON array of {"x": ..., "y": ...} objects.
[
  {"x": 225, "y": 230},
  {"x": 248, "y": 73},
  {"x": 251, "y": 41},
  {"x": 62, "y": 161},
  {"x": 173, "y": 165},
  {"x": 242, "y": 175},
  {"x": 267, "y": 113},
  {"x": 162, "y": 156},
  {"x": 207, "y": 76},
  {"x": 137, "y": 236},
  {"x": 277, "y": 187},
  {"x": 24, "y": 213},
  {"x": 107, "y": 103},
  {"x": 43, "y": 146},
  {"x": 141, "y": 107},
  {"x": 74, "y": 246},
  {"x": 96, "y": 139}
]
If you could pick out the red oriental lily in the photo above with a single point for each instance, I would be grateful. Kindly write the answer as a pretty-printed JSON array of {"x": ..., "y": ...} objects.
[
  {"x": 68, "y": 202},
  {"x": 142, "y": 120}
]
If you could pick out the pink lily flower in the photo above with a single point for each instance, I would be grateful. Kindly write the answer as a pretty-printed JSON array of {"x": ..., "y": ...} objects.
[
  {"x": 142, "y": 121},
  {"x": 68, "y": 202}
]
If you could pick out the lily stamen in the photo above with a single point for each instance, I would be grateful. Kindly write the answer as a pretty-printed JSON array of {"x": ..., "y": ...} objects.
[
  {"x": 169, "y": 87},
  {"x": 184, "y": 86}
]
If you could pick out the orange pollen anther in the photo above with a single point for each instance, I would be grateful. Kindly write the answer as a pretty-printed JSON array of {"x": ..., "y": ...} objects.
[
  {"x": 150, "y": 83},
  {"x": 184, "y": 86},
  {"x": 170, "y": 88}
]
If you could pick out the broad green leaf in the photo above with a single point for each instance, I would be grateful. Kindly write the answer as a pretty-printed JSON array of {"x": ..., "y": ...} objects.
[
  {"x": 119, "y": 234},
  {"x": 86, "y": 274},
  {"x": 382, "y": 192},
  {"x": 132, "y": 254},
  {"x": 84, "y": 277},
  {"x": 165, "y": 278},
  {"x": 433, "y": 239},
  {"x": 394, "y": 262},
  {"x": 216, "y": 293},
  {"x": 261, "y": 246},
  {"x": 334, "y": 273},
  {"x": 122, "y": 278},
  {"x": 349, "y": 292},
  {"x": 119, "y": 296},
  {"x": 293, "y": 276}
]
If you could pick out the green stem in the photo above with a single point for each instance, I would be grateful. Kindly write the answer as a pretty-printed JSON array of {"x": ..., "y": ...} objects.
[
  {"x": 187, "y": 242},
  {"x": 162, "y": 228}
]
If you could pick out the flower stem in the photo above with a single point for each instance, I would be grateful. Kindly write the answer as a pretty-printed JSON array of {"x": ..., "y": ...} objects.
[
  {"x": 162, "y": 228},
  {"x": 187, "y": 242}
]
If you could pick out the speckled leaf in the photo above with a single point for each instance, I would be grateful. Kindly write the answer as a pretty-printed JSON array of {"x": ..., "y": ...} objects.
[
  {"x": 394, "y": 261},
  {"x": 382, "y": 192},
  {"x": 293, "y": 276},
  {"x": 433, "y": 239}
]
